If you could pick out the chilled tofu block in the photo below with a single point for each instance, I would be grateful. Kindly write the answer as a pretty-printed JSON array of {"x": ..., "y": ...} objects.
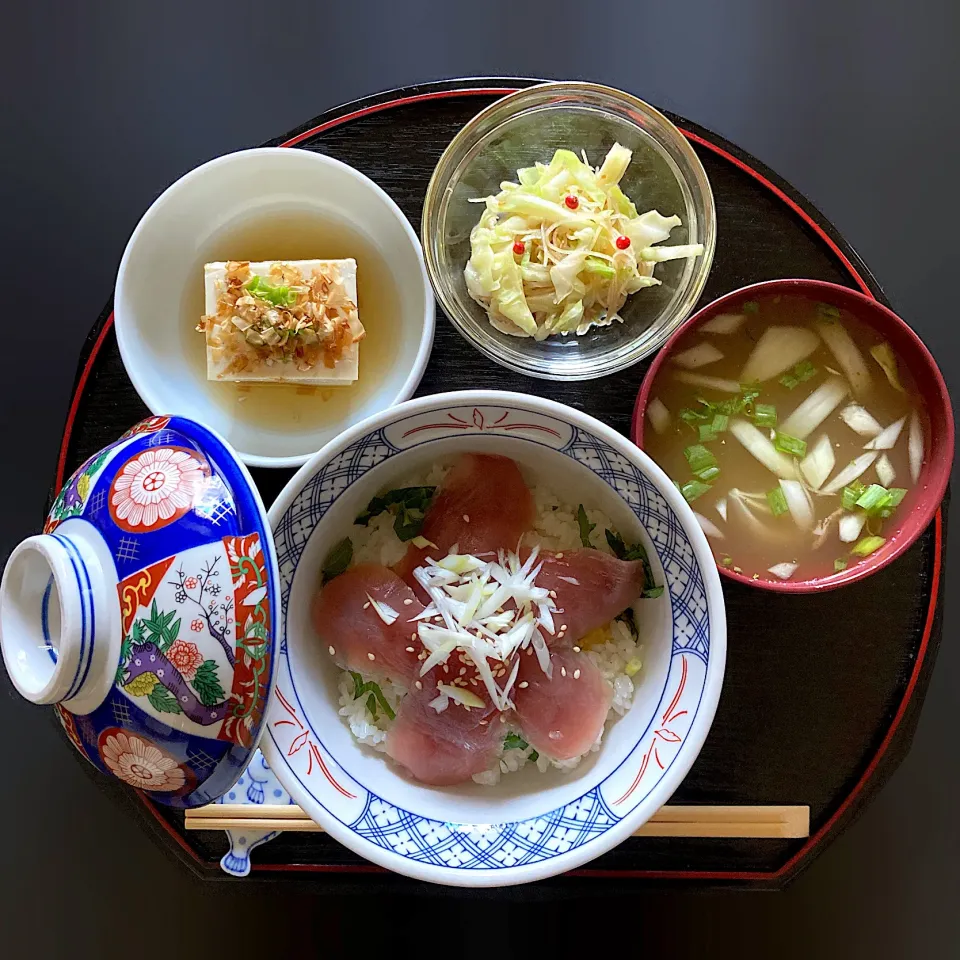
[{"x": 282, "y": 321}]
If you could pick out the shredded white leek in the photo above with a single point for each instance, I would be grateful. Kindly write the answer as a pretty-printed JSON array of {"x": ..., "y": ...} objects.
[
  {"x": 383, "y": 610},
  {"x": 491, "y": 611}
]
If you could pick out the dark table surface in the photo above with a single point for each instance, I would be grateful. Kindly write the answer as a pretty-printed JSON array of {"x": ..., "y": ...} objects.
[{"x": 105, "y": 104}]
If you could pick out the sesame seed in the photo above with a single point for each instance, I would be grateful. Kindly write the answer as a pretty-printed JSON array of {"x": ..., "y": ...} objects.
[
  {"x": 483, "y": 723},
  {"x": 523, "y": 684},
  {"x": 503, "y": 719},
  {"x": 466, "y": 518},
  {"x": 332, "y": 651},
  {"x": 446, "y": 669},
  {"x": 576, "y": 649},
  {"x": 563, "y": 671},
  {"x": 552, "y": 594},
  {"x": 418, "y": 685},
  {"x": 463, "y": 670},
  {"x": 367, "y": 604},
  {"x": 559, "y": 556},
  {"x": 407, "y": 602},
  {"x": 370, "y": 656},
  {"x": 410, "y": 650},
  {"x": 576, "y": 674}
]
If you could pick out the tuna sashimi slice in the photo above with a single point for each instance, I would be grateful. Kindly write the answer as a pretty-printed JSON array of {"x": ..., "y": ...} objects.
[
  {"x": 483, "y": 505},
  {"x": 591, "y": 589},
  {"x": 562, "y": 716},
  {"x": 347, "y": 622},
  {"x": 444, "y": 748}
]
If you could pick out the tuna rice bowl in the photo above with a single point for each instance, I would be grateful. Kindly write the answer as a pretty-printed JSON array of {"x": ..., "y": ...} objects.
[{"x": 482, "y": 624}]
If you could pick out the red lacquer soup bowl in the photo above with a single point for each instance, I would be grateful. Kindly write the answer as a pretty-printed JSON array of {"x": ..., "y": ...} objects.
[{"x": 905, "y": 526}]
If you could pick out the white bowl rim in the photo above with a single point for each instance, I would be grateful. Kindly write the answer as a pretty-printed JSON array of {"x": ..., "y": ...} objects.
[
  {"x": 143, "y": 384},
  {"x": 713, "y": 680}
]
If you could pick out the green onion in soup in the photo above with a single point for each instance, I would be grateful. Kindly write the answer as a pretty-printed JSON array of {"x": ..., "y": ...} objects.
[{"x": 794, "y": 432}]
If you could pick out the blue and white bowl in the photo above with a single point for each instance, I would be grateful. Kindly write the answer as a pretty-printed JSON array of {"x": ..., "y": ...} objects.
[
  {"x": 146, "y": 612},
  {"x": 530, "y": 825}
]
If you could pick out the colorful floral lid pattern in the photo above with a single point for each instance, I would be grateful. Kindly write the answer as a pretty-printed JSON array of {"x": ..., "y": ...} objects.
[{"x": 167, "y": 549}]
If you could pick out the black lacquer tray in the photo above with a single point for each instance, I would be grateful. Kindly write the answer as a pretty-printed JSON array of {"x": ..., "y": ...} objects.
[{"x": 821, "y": 694}]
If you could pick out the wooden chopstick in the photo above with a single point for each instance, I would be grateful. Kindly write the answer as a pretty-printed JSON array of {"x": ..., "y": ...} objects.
[{"x": 754, "y": 822}]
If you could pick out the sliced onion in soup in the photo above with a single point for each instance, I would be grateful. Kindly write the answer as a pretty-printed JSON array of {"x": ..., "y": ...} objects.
[
  {"x": 725, "y": 323},
  {"x": 847, "y": 354},
  {"x": 798, "y": 503},
  {"x": 886, "y": 473},
  {"x": 709, "y": 527},
  {"x": 850, "y": 472},
  {"x": 778, "y": 349},
  {"x": 763, "y": 450},
  {"x": 818, "y": 464},
  {"x": 711, "y": 383},
  {"x": 698, "y": 356},
  {"x": 850, "y": 526},
  {"x": 815, "y": 409},
  {"x": 860, "y": 420},
  {"x": 887, "y": 438},
  {"x": 659, "y": 415},
  {"x": 915, "y": 446}
]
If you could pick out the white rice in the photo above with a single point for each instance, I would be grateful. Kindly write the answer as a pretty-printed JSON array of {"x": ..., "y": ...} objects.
[{"x": 555, "y": 529}]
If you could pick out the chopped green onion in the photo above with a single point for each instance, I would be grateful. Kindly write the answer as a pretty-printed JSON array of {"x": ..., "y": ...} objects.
[
  {"x": 827, "y": 312},
  {"x": 726, "y": 561},
  {"x": 279, "y": 296},
  {"x": 691, "y": 417},
  {"x": 851, "y": 495},
  {"x": 777, "y": 501},
  {"x": 839, "y": 564},
  {"x": 699, "y": 458},
  {"x": 764, "y": 414},
  {"x": 706, "y": 433},
  {"x": 749, "y": 392},
  {"x": 872, "y": 497},
  {"x": 720, "y": 422},
  {"x": 751, "y": 306},
  {"x": 867, "y": 546},
  {"x": 711, "y": 473},
  {"x": 791, "y": 445},
  {"x": 801, "y": 372},
  {"x": 891, "y": 501},
  {"x": 693, "y": 489}
]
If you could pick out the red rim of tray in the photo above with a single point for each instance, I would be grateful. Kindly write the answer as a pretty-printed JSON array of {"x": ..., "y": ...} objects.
[{"x": 935, "y": 472}]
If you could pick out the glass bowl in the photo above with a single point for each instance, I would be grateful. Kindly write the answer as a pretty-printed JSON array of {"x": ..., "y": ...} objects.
[{"x": 528, "y": 126}]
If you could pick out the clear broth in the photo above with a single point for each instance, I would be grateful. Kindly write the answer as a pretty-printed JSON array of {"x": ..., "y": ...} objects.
[
  {"x": 297, "y": 235},
  {"x": 741, "y": 549}
]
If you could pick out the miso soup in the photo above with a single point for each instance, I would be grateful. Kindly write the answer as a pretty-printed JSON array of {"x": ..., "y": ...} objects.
[{"x": 793, "y": 432}]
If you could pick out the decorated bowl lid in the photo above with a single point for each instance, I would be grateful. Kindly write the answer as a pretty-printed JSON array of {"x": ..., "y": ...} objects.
[{"x": 146, "y": 612}]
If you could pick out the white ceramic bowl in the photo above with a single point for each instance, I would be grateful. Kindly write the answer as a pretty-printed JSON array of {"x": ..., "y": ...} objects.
[
  {"x": 530, "y": 825},
  {"x": 159, "y": 299}
]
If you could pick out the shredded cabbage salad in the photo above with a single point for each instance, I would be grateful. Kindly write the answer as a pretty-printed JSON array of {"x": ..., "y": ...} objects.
[{"x": 560, "y": 251}]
